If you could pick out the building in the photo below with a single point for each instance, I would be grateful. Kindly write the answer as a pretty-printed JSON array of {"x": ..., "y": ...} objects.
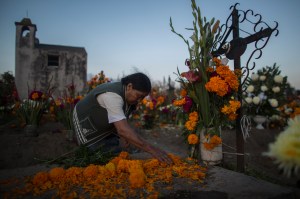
[{"x": 40, "y": 66}]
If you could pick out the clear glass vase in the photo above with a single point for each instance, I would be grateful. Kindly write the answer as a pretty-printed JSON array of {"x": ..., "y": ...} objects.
[{"x": 212, "y": 156}]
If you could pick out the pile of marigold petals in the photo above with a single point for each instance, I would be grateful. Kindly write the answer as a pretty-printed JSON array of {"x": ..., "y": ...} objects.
[{"x": 119, "y": 178}]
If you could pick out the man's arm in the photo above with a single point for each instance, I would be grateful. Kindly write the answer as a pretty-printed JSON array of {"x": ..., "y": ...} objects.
[{"x": 127, "y": 132}]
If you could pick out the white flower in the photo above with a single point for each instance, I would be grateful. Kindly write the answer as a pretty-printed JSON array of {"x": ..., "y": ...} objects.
[
  {"x": 263, "y": 88},
  {"x": 256, "y": 100},
  {"x": 262, "y": 78},
  {"x": 273, "y": 102},
  {"x": 286, "y": 148},
  {"x": 254, "y": 77},
  {"x": 276, "y": 89},
  {"x": 278, "y": 79},
  {"x": 250, "y": 89},
  {"x": 248, "y": 100}
]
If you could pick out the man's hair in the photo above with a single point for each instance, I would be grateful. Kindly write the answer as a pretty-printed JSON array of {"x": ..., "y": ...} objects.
[{"x": 140, "y": 82}]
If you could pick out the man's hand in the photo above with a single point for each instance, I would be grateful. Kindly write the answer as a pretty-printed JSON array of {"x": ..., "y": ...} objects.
[
  {"x": 159, "y": 154},
  {"x": 124, "y": 144}
]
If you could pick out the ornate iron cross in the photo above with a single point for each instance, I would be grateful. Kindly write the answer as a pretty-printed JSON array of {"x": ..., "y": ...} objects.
[{"x": 234, "y": 49}]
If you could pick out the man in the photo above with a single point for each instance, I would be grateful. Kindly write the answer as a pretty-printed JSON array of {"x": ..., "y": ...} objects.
[{"x": 101, "y": 117}]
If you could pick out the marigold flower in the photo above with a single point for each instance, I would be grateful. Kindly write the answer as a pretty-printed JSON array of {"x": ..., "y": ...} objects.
[
  {"x": 193, "y": 139},
  {"x": 179, "y": 102},
  {"x": 230, "y": 110},
  {"x": 217, "y": 85},
  {"x": 190, "y": 125},
  {"x": 193, "y": 116},
  {"x": 56, "y": 174},
  {"x": 183, "y": 93},
  {"x": 90, "y": 171},
  {"x": 212, "y": 142},
  {"x": 40, "y": 178}
]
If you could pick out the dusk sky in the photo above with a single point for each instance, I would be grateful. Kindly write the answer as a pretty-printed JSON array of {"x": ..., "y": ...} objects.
[{"x": 121, "y": 35}]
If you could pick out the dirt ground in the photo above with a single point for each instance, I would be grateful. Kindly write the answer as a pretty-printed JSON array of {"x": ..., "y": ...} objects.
[{"x": 17, "y": 150}]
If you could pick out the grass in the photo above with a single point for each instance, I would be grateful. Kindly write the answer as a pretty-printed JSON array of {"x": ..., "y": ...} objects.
[{"x": 81, "y": 157}]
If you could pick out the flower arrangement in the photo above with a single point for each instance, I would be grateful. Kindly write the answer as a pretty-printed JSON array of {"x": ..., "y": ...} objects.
[
  {"x": 148, "y": 109},
  {"x": 63, "y": 107},
  {"x": 100, "y": 78},
  {"x": 289, "y": 110},
  {"x": 209, "y": 86},
  {"x": 31, "y": 110},
  {"x": 286, "y": 148},
  {"x": 265, "y": 92}
]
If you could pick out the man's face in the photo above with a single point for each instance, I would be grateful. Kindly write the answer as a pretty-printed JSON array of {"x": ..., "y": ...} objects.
[{"x": 133, "y": 96}]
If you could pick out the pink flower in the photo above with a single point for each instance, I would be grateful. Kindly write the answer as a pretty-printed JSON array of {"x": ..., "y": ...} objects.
[{"x": 191, "y": 76}]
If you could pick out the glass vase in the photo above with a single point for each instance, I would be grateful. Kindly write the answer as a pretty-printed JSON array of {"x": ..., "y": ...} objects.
[{"x": 212, "y": 156}]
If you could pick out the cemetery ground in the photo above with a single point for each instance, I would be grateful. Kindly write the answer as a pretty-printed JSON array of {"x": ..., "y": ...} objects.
[{"x": 21, "y": 156}]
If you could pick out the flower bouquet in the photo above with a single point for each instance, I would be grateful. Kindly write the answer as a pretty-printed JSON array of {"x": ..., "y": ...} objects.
[
  {"x": 265, "y": 92},
  {"x": 210, "y": 86},
  {"x": 100, "y": 78},
  {"x": 30, "y": 111},
  {"x": 64, "y": 106},
  {"x": 149, "y": 108}
]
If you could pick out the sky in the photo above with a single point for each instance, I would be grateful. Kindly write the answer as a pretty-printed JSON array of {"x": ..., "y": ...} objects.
[{"x": 123, "y": 36}]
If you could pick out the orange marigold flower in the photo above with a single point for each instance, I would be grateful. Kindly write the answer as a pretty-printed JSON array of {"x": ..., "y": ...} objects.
[
  {"x": 212, "y": 142},
  {"x": 122, "y": 166},
  {"x": 145, "y": 101},
  {"x": 232, "y": 116},
  {"x": 210, "y": 69},
  {"x": 193, "y": 139},
  {"x": 190, "y": 125},
  {"x": 137, "y": 179},
  {"x": 179, "y": 102},
  {"x": 40, "y": 178},
  {"x": 193, "y": 116},
  {"x": 35, "y": 96},
  {"x": 110, "y": 167},
  {"x": 217, "y": 85},
  {"x": 230, "y": 110},
  {"x": 183, "y": 93},
  {"x": 124, "y": 155},
  {"x": 217, "y": 61},
  {"x": 160, "y": 100},
  {"x": 223, "y": 71},
  {"x": 232, "y": 81},
  {"x": 91, "y": 171},
  {"x": 56, "y": 174}
]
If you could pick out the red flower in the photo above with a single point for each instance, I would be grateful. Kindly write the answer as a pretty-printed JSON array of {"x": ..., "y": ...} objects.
[{"x": 188, "y": 104}]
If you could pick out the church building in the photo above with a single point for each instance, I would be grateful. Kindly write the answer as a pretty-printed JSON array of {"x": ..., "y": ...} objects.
[{"x": 40, "y": 66}]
